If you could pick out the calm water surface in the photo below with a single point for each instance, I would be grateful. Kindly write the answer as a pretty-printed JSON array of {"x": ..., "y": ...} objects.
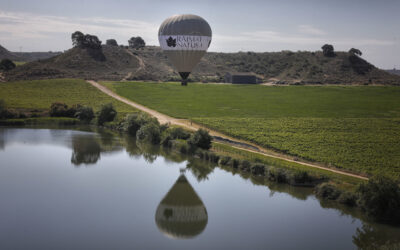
[{"x": 70, "y": 189}]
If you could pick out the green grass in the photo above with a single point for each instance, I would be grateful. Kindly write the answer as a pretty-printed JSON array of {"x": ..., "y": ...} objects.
[
  {"x": 19, "y": 63},
  {"x": 40, "y": 94},
  {"x": 356, "y": 128}
]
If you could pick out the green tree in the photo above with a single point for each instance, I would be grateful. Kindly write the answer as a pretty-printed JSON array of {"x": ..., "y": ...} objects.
[
  {"x": 84, "y": 113},
  {"x": 355, "y": 52},
  {"x": 77, "y": 39},
  {"x": 136, "y": 42},
  {"x": 111, "y": 42},
  {"x": 201, "y": 138},
  {"x": 380, "y": 199},
  {"x": 85, "y": 41},
  {"x": 107, "y": 113},
  {"x": 149, "y": 132},
  {"x": 328, "y": 50},
  {"x": 7, "y": 64}
]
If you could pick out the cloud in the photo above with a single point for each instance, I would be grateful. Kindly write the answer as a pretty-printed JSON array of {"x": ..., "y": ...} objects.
[
  {"x": 45, "y": 32},
  {"x": 28, "y": 26},
  {"x": 274, "y": 37},
  {"x": 310, "y": 30}
]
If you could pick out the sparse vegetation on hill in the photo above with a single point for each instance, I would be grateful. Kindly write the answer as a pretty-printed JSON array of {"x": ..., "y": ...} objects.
[
  {"x": 149, "y": 63},
  {"x": 80, "y": 63}
]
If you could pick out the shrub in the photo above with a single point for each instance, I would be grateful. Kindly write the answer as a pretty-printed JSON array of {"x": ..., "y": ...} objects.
[
  {"x": 58, "y": 109},
  {"x": 84, "y": 113},
  {"x": 7, "y": 64},
  {"x": 107, "y": 113},
  {"x": 10, "y": 113},
  {"x": 348, "y": 199},
  {"x": 71, "y": 112},
  {"x": 133, "y": 122},
  {"x": 178, "y": 133},
  {"x": 165, "y": 141},
  {"x": 149, "y": 132},
  {"x": 201, "y": 138},
  {"x": 327, "y": 191},
  {"x": 380, "y": 199}
]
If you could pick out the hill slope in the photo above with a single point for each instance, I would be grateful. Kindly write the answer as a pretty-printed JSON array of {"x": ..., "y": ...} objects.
[
  {"x": 4, "y": 53},
  {"x": 118, "y": 63}
]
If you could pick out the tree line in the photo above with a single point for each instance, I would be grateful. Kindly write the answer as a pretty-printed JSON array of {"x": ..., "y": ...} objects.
[{"x": 85, "y": 41}]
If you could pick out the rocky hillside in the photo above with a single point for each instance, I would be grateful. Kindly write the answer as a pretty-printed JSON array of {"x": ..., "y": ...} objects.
[
  {"x": 119, "y": 63},
  {"x": 5, "y": 54}
]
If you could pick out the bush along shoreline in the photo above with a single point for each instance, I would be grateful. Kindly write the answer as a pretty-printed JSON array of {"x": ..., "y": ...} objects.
[{"x": 379, "y": 198}]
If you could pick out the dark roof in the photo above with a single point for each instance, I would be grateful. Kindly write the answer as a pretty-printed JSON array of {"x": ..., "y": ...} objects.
[{"x": 241, "y": 73}]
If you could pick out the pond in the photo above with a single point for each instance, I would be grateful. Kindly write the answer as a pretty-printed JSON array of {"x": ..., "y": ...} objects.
[{"x": 82, "y": 189}]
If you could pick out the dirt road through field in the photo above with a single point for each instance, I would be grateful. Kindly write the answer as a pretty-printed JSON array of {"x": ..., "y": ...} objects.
[{"x": 221, "y": 138}]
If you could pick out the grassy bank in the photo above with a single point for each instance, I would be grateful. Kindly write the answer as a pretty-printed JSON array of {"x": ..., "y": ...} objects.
[
  {"x": 354, "y": 128},
  {"x": 40, "y": 94},
  {"x": 40, "y": 121}
]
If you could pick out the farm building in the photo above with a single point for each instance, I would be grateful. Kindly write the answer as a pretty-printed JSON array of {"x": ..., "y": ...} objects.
[{"x": 241, "y": 77}]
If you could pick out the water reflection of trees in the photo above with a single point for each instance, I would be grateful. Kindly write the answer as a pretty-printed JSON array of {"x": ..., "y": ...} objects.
[
  {"x": 199, "y": 169},
  {"x": 86, "y": 150},
  {"x": 377, "y": 237},
  {"x": 151, "y": 152},
  {"x": 2, "y": 139}
]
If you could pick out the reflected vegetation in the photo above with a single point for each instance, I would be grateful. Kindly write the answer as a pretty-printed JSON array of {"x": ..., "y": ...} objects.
[
  {"x": 181, "y": 213},
  {"x": 86, "y": 150}
]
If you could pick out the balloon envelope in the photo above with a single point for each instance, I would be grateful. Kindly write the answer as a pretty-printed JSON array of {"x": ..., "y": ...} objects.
[{"x": 185, "y": 39}]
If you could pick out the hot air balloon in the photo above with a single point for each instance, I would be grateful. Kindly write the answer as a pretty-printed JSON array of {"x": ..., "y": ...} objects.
[
  {"x": 181, "y": 213},
  {"x": 184, "y": 39}
]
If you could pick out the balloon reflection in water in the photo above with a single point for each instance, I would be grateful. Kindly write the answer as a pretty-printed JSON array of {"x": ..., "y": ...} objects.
[{"x": 181, "y": 213}]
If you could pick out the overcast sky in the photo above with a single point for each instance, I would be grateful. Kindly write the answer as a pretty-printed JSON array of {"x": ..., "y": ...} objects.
[{"x": 252, "y": 25}]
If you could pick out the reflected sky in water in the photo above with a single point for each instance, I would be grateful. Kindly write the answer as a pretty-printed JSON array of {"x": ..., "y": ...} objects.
[{"x": 64, "y": 189}]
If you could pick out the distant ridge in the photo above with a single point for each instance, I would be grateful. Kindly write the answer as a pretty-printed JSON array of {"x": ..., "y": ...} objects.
[
  {"x": 5, "y": 54},
  {"x": 25, "y": 56},
  {"x": 149, "y": 63},
  {"x": 394, "y": 71}
]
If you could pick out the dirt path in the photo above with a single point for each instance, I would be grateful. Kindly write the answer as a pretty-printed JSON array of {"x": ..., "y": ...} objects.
[
  {"x": 221, "y": 138},
  {"x": 142, "y": 66}
]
